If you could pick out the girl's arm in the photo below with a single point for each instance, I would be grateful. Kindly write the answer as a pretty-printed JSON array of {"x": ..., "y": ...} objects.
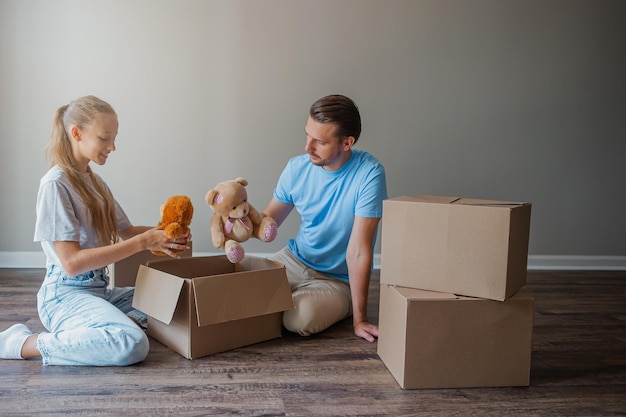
[{"x": 136, "y": 239}]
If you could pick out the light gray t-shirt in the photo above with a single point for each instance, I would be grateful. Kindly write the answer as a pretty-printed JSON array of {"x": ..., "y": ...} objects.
[{"x": 63, "y": 216}]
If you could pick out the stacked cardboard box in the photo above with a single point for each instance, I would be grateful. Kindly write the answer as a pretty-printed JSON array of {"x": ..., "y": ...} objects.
[{"x": 451, "y": 311}]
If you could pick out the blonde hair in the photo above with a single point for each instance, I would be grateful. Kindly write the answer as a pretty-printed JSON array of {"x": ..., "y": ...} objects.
[{"x": 81, "y": 113}]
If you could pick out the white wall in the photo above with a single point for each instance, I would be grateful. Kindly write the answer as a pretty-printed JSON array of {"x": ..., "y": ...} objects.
[{"x": 513, "y": 100}]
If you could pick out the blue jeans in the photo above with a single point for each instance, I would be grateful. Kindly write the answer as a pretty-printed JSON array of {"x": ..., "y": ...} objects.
[{"x": 88, "y": 322}]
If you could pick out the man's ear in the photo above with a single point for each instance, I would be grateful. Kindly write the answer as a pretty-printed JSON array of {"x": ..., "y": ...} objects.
[
  {"x": 348, "y": 143},
  {"x": 75, "y": 132}
]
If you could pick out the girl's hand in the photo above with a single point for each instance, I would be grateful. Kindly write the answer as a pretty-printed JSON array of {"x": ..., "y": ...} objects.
[{"x": 157, "y": 241}]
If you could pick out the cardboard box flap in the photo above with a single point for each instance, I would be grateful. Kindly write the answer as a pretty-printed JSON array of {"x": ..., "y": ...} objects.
[
  {"x": 194, "y": 267},
  {"x": 416, "y": 294},
  {"x": 426, "y": 199},
  {"x": 239, "y": 295},
  {"x": 493, "y": 203},
  {"x": 435, "y": 199},
  {"x": 157, "y": 294}
]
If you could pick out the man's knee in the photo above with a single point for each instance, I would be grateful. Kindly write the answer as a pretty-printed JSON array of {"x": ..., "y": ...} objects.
[
  {"x": 314, "y": 313},
  {"x": 300, "y": 320}
]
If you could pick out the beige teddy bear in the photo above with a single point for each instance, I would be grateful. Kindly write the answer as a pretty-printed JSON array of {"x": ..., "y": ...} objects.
[{"x": 235, "y": 220}]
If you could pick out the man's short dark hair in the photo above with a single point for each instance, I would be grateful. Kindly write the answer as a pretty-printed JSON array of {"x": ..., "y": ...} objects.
[{"x": 339, "y": 110}]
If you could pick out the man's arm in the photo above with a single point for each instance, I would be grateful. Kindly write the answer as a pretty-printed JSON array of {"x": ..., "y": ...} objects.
[
  {"x": 277, "y": 211},
  {"x": 359, "y": 260}
]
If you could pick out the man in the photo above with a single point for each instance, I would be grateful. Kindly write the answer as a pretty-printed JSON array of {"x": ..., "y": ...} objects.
[{"x": 338, "y": 192}]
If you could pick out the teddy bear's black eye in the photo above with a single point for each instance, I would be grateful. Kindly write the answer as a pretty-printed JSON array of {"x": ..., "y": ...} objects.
[{"x": 234, "y": 207}]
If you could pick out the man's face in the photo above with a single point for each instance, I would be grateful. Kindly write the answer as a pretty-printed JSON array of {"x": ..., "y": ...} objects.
[{"x": 325, "y": 149}]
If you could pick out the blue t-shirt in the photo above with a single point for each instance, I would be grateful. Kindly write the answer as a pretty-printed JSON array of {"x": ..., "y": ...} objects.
[
  {"x": 62, "y": 216},
  {"x": 328, "y": 202}
]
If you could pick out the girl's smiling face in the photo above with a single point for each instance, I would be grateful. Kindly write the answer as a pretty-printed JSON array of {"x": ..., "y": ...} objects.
[{"x": 95, "y": 141}]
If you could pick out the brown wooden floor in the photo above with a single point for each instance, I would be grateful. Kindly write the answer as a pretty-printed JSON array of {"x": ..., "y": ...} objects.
[{"x": 578, "y": 367}]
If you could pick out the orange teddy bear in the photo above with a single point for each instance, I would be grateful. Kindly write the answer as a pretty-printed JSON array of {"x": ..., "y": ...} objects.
[{"x": 176, "y": 214}]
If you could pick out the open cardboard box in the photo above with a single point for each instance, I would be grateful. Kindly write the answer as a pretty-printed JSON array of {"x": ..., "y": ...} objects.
[
  {"x": 477, "y": 248},
  {"x": 199, "y": 306},
  {"x": 439, "y": 340}
]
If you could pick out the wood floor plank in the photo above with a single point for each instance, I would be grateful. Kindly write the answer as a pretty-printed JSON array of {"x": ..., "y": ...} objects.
[{"x": 578, "y": 367}]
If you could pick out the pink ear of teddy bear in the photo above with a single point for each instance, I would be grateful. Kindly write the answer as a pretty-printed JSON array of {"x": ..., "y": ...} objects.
[{"x": 218, "y": 199}]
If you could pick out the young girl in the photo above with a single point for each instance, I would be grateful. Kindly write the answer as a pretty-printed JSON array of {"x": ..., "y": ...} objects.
[{"x": 82, "y": 229}]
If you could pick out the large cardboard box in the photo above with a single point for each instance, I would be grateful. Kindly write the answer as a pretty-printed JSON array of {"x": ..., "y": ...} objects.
[
  {"x": 204, "y": 305},
  {"x": 464, "y": 246},
  {"x": 124, "y": 272},
  {"x": 440, "y": 340}
]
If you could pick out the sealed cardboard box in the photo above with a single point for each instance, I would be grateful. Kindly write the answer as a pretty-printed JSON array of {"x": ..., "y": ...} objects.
[
  {"x": 199, "y": 306},
  {"x": 440, "y": 340},
  {"x": 124, "y": 272},
  {"x": 477, "y": 248}
]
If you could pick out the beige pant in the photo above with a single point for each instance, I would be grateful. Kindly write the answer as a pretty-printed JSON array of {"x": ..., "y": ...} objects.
[{"x": 320, "y": 301}]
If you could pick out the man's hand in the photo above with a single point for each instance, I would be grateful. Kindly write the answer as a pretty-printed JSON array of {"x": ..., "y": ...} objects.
[{"x": 366, "y": 331}]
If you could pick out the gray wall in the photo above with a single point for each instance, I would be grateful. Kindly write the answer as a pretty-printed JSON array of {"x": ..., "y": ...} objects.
[{"x": 511, "y": 100}]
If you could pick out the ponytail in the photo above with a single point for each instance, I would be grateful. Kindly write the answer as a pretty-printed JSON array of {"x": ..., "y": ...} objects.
[{"x": 59, "y": 145}]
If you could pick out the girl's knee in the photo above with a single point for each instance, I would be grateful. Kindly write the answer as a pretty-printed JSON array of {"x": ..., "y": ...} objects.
[
  {"x": 141, "y": 348},
  {"x": 133, "y": 347}
]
